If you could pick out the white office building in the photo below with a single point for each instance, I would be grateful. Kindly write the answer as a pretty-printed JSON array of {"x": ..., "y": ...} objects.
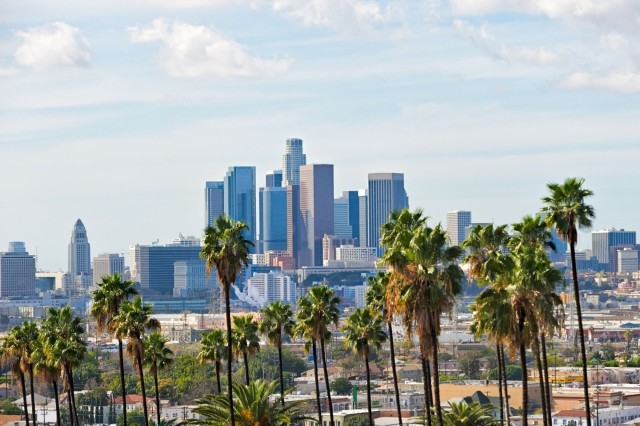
[
  {"x": 17, "y": 271},
  {"x": 627, "y": 261},
  {"x": 263, "y": 288},
  {"x": 457, "y": 221},
  {"x": 349, "y": 253}
]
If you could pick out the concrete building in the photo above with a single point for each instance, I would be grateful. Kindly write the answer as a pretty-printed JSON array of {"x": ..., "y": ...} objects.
[
  {"x": 457, "y": 221},
  {"x": 17, "y": 271},
  {"x": 79, "y": 250},
  {"x": 316, "y": 211},
  {"x": 330, "y": 243},
  {"x": 349, "y": 253},
  {"x": 603, "y": 241},
  {"x": 107, "y": 264},
  {"x": 627, "y": 260},
  {"x": 292, "y": 159},
  {"x": 263, "y": 288},
  {"x": 60, "y": 280},
  {"x": 189, "y": 278},
  {"x": 386, "y": 194},
  {"x": 363, "y": 218},
  {"x": 240, "y": 197},
  {"x": 213, "y": 201}
]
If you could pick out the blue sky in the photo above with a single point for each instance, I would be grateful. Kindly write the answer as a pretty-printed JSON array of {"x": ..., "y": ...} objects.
[{"x": 117, "y": 112}]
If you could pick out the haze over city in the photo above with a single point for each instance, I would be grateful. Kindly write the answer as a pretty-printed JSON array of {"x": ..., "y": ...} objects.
[{"x": 117, "y": 113}]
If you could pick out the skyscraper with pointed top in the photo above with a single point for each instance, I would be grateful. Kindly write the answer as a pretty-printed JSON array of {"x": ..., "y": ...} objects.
[{"x": 79, "y": 250}]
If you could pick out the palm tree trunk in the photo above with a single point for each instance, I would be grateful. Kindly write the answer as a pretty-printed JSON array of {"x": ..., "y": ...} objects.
[
  {"x": 155, "y": 383},
  {"x": 144, "y": 391},
  {"x": 55, "y": 394},
  {"x": 543, "y": 394},
  {"x": 315, "y": 368},
  {"x": 426, "y": 381},
  {"x": 245, "y": 357},
  {"x": 583, "y": 351},
  {"x": 366, "y": 363},
  {"x": 73, "y": 395},
  {"x": 229, "y": 352},
  {"x": 500, "y": 383},
  {"x": 281, "y": 373},
  {"x": 429, "y": 382},
  {"x": 523, "y": 366},
  {"x": 326, "y": 380},
  {"x": 33, "y": 394},
  {"x": 218, "y": 368},
  {"x": 70, "y": 403},
  {"x": 436, "y": 378},
  {"x": 506, "y": 385},
  {"x": 545, "y": 366},
  {"x": 395, "y": 374},
  {"x": 123, "y": 387},
  {"x": 24, "y": 397}
]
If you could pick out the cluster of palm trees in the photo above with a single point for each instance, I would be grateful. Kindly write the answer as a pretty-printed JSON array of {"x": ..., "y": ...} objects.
[{"x": 48, "y": 350}]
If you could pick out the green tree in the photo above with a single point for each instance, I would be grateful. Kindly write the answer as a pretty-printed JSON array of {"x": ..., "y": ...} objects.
[
  {"x": 358, "y": 420},
  {"x": 277, "y": 320},
  {"x": 212, "y": 349},
  {"x": 227, "y": 250},
  {"x": 157, "y": 356},
  {"x": 342, "y": 386},
  {"x": 363, "y": 332},
  {"x": 567, "y": 211},
  {"x": 245, "y": 340},
  {"x": 474, "y": 414},
  {"x": 318, "y": 310},
  {"x": 112, "y": 292},
  {"x": 13, "y": 353}
]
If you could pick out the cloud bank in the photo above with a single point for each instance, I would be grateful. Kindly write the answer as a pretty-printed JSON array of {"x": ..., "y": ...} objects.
[{"x": 52, "y": 45}]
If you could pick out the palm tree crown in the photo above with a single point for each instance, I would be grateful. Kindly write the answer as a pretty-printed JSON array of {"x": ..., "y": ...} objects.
[{"x": 245, "y": 339}]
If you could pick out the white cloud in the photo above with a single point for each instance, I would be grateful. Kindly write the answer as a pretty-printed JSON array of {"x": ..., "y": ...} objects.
[
  {"x": 52, "y": 45},
  {"x": 625, "y": 82},
  {"x": 482, "y": 38},
  {"x": 198, "y": 51}
]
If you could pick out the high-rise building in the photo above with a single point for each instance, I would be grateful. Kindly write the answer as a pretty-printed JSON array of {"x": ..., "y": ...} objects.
[
  {"x": 316, "y": 209},
  {"x": 273, "y": 179},
  {"x": 79, "y": 251},
  {"x": 294, "y": 223},
  {"x": 627, "y": 260},
  {"x": 190, "y": 278},
  {"x": 363, "y": 218},
  {"x": 273, "y": 218},
  {"x": 457, "y": 221},
  {"x": 213, "y": 201},
  {"x": 292, "y": 159},
  {"x": 17, "y": 271},
  {"x": 240, "y": 197},
  {"x": 107, "y": 264},
  {"x": 386, "y": 194},
  {"x": 606, "y": 241},
  {"x": 346, "y": 220},
  {"x": 263, "y": 288}
]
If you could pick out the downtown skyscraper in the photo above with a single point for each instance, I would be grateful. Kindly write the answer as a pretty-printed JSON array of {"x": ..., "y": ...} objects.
[
  {"x": 292, "y": 159},
  {"x": 79, "y": 251},
  {"x": 457, "y": 222},
  {"x": 386, "y": 194},
  {"x": 240, "y": 197},
  {"x": 213, "y": 201},
  {"x": 316, "y": 211}
]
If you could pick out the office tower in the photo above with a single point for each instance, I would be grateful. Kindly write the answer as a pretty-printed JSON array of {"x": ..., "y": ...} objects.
[
  {"x": 457, "y": 221},
  {"x": 273, "y": 179},
  {"x": 316, "y": 209},
  {"x": 264, "y": 288},
  {"x": 240, "y": 197},
  {"x": 606, "y": 241},
  {"x": 273, "y": 218},
  {"x": 386, "y": 194},
  {"x": 294, "y": 223},
  {"x": 627, "y": 260},
  {"x": 292, "y": 159},
  {"x": 363, "y": 218},
  {"x": 17, "y": 271},
  {"x": 213, "y": 201},
  {"x": 329, "y": 245},
  {"x": 107, "y": 264},
  {"x": 190, "y": 278},
  {"x": 79, "y": 251},
  {"x": 346, "y": 221}
]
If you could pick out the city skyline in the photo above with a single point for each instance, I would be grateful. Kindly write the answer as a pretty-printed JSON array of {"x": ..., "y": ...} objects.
[{"x": 479, "y": 104}]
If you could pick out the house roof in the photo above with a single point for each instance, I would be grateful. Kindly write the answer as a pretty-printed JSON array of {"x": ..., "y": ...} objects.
[
  {"x": 132, "y": 399},
  {"x": 572, "y": 413}
]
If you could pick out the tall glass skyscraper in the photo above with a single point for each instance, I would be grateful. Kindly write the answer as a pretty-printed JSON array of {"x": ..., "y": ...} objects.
[
  {"x": 79, "y": 250},
  {"x": 240, "y": 197},
  {"x": 273, "y": 218},
  {"x": 292, "y": 159},
  {"x": 213, "y": 201},
  {"x": 457, "y": 221},
  {"x": 386, "y": 195}
]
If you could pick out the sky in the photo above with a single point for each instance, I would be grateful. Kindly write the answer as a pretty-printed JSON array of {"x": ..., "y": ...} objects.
[{"x": 117, "y": 112}]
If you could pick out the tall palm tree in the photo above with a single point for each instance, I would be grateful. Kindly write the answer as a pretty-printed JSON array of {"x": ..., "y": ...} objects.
[
  {"x": 132, "y": 322},
  {"x": 112, "y": 292},
  {"x": 227, "y": 250},
  {"x": 212, "y": 349},
  {"x": 46, "y": 369},
  {"x": 277, "y": 320},
  {"x": 245, "y": 340},
  {"x": 157, "y": 356},
  {"x": 376, "y": 300},
  {"x": 64, "y": 332},
  {"x": 364, "y": 332},
  {"x": 567, "y": 211},
  {"x": 252, "y": 406},
  {"x": 12, "y": 354},
  {"x": 303, "y": 332},
  {"x": 25, "y": 336},
  {"x": 427, "y": 280},
  {"x": 317, "y": 311}
]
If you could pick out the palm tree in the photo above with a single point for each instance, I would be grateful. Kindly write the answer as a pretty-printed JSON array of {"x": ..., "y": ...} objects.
[
  {"x": 12, "y": 353},
  {"x": 156, "y": 357},
  {"x": 427, "y": 279},
  {"x": 245, "y": 340},
  {"x": 212, "y": 349},
  {"x": 304, "y": 333},
  {"x": 363, "y": 333},
  {"x": 376, "y": 298},
  {"x": 45, "y": 367},
  {"x": 316, "y": 312},
  {"x": 24, "y": 338},
  {"x": 131, "y": 323},
  {"x": 227, "y": 250},
  {"x": 566, "y": 212},
  {"x": 277, "y": 319},
  {"x": 473, "y": 414},
  {"x": 252, "y": 407},
  {"x": 63, "y": 331},
  {"x": 112, "y": 292}
]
